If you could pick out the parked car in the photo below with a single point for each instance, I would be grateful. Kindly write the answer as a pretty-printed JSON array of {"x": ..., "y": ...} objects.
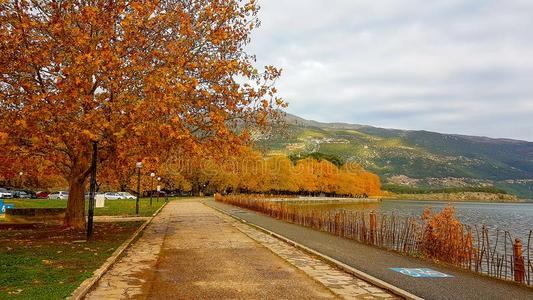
[
  {"x": 61, "y": 195},
  {"x": 126, "y": 195},
  {"x": 5, "y": 193},
  {"x": 42, "y": 195},
  {"x": 20, "y": 194},
  {"x": 112, "y": 196},
  {"x": 30, "y": 193}
]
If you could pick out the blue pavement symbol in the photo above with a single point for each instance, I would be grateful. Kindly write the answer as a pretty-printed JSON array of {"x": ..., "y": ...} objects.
[
  {"x": 4, "y": 206},
  {"x": 421, "y": 272}
]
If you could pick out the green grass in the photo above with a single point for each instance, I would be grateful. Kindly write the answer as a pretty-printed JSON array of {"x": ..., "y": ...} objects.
[
  {"x": 46, "y": 263},
  {"x": 112, "y": 207}
]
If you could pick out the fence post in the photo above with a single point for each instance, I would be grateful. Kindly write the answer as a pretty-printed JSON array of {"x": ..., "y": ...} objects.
[
  {"x": 518, "y": 261},
  {"x": 373, "y": 226}
]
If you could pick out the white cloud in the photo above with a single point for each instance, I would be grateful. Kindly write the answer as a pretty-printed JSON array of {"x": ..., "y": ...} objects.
[{"x": 448, "y": 66}]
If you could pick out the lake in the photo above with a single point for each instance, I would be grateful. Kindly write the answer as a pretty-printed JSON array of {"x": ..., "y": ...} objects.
[{"x": 517, "y": 218}]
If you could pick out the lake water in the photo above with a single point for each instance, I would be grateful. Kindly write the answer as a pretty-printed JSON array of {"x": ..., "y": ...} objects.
[{"x": 517, "y": 218}]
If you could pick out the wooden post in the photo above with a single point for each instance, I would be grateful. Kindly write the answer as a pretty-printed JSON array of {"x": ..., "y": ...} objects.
[
  {"x": 518, "y": 261},
  {"x": 373, "y": 225}
]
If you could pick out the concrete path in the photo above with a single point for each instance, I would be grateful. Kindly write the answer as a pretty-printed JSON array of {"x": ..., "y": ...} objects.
[
  {"x": 377, "y": 262},
  {"x": 339, "y": 282},
  {"x": 190, "y": 251}
]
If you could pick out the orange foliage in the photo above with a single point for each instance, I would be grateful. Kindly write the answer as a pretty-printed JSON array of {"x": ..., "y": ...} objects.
[
  {"x": 251, "y": 173},
  {"x": 142, "y": 78},
  {"x": 445, "y": 237},
  {"x": 324, "y": 177}
]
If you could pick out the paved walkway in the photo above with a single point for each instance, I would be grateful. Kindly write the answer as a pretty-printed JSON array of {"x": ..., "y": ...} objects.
[
  {"x": 190, "y": 251},
  {"x": 339, "y": 282},
  {"x": 113, "y": 219},
  {"x": 377, "y": 262}
]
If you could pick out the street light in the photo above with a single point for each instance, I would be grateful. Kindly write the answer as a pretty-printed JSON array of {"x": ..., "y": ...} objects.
[
  {"x": 138, "y": 165},
  {"x": 20, "y": 179},
  {"x": 158, "y": 187},
  {"x": 152, "y": 175}
]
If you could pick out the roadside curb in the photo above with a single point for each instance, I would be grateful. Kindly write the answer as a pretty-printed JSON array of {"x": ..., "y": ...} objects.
[
  {"x": 84, "y": 288},
  {"x": 351, "y": 270}
]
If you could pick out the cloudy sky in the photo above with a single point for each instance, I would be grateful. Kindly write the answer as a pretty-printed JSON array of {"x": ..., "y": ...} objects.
[{"x": 446, "y": 65}]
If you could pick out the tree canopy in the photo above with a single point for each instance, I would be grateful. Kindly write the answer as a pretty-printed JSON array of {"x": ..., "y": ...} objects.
[
  {"x": 317, "y": 156},
  {"x": 142, "y": 78}
]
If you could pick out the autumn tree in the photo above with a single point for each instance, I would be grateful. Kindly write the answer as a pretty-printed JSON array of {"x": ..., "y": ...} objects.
[
  {"x": 137, "y": 77},
  {"x": 280, "y": 176},
  {"x": 173, "y": 179},
  {"x": 307, "y": 179},
  {"x": 252, "y": 171},
  {"x": 364, "y": 181}
]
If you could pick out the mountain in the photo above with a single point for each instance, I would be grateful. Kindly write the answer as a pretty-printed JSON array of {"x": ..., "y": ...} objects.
[{"x": 414, "y": 157}]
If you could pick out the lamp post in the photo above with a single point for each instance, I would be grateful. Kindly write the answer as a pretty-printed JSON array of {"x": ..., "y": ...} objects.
[
  {"x": 92, "y": 190},
  {"x": 152, "y": 175},
  {"x": 20, "y": 179},
  {"x": 158, "y": 187},
  {"x": 138, "y": 165}
]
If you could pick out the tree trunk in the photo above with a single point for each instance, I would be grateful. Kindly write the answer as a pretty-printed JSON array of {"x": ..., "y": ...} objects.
[{"x": 75, "y": 213}]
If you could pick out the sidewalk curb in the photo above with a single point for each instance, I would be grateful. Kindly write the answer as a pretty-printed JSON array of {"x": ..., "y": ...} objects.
[
  {"x": 351, "y": 270},
  {"x": 84, "y": 288}
]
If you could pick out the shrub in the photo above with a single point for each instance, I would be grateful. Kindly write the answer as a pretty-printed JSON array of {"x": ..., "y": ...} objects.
[{"x": 445, "y": 237}]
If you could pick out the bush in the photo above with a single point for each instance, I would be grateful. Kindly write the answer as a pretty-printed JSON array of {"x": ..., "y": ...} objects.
[{"x": 445, "y": 237}]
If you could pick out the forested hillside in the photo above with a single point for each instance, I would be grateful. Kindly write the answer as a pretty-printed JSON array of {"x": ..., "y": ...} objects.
[{"x": 413, "y": 158}]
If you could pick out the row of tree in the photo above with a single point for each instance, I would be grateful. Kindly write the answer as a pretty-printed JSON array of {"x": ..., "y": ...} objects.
[
  {"x": 250, "y": 172},
  {"x": 244, "y": 172}
]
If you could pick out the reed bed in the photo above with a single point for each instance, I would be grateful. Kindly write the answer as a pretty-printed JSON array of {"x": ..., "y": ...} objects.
[{"x": 438, "y": 236}]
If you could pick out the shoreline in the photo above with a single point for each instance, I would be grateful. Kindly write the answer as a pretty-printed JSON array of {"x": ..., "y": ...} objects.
[
  {"x": 325, "y": 200},
  {"x": 519, "y": 201},
  {"x": 458, "y": 197}
]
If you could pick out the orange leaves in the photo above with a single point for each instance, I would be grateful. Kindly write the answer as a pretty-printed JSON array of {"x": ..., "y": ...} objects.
[
  {"x": 264, "y": 103},
  {"x": 21, "y": 123},
  {"x": 136, "y": 5},
  {"x": 144, "y": 78},
  {"x": 308, "y": 176},
  {"x": 90, "y": 13},
  {"x": 89, "y": 135},
  {"x": 445, "y": 236},
  {"x": 218, "y": 36},
  {"x": 3, "y": 137}
]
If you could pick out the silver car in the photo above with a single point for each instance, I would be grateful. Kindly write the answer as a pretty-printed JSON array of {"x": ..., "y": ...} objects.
[
  {"x": 112, "y": 196},
  {"x": 61, "y": 195},
  {"x": 5, "y": 193},
  {"x": 126, "y": 195}
]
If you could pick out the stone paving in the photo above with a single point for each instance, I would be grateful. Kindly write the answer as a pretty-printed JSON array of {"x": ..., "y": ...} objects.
[
  {"x": 339, "y": 282},
  {"x": 191, "y": 251},
  {"x": 124, "y": 280}
]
